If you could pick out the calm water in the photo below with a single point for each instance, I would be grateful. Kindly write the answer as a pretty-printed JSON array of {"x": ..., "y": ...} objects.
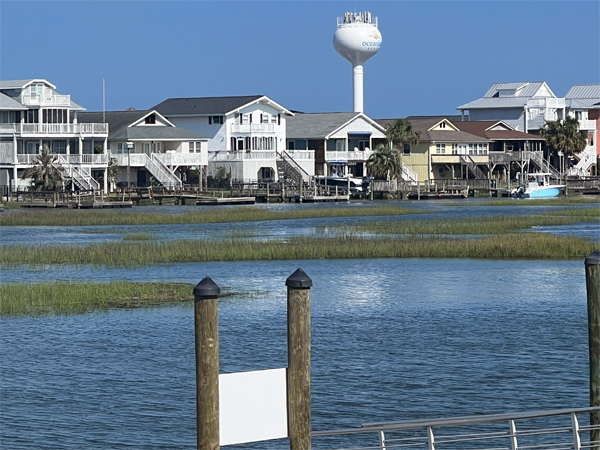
[
  {"x": 279, "y": 229},
  {"x": 392, "y": 340}
]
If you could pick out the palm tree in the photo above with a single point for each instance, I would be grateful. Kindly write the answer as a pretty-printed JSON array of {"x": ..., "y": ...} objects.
[
  {"x": 385, "y": 163},
  {"x": 400, "y": 133},
  {"x": 564, "y": 136},
  {"x": 45, "y": 174}
]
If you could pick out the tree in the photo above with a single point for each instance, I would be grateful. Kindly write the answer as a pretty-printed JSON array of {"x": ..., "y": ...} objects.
[
  {"x": 46, "y": 173},
  {"x": 221, "y": 180},
  {"x": 564, "y": 136},
  {"x": 385, "y": 163},
  {"x": 400, "y": 133}
]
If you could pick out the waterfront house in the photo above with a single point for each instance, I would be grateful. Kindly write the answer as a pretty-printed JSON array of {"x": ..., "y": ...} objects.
[
  {"x": 246, "y": 135},
  {"x": 524, "y": 106},
  {"x": 583, "y": 103},
  {"x": 148, "y": 147},
  {"x": 508, "y": 147},
  {"x": 445, "y": 152},
  {"x": 34, "y": 115},
  {"x": 341, "y": 142}
]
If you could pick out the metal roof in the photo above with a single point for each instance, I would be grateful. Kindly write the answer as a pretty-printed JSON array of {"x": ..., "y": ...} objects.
[
  {"x": 20, "y": 84},
  {"x": 119, "y": 126},
  {"x": 317, "y": 125},
  {"x": 8, "y": 103},
  {"x": 491, "y": 99},
  {"x": 583, "y": 96}
]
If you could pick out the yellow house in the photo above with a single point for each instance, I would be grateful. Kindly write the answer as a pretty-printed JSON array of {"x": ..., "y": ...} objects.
[{"x": 444, "y": 151}]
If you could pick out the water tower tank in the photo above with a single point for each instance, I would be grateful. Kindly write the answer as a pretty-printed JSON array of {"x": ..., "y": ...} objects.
[{"x": 357, "y": 39}]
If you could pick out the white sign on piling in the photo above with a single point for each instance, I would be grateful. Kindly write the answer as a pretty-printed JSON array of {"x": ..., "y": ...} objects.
[{"x": 253, "y": 406}]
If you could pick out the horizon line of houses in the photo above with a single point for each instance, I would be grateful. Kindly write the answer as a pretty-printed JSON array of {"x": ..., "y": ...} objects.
[{"x": 258, "y": 140}]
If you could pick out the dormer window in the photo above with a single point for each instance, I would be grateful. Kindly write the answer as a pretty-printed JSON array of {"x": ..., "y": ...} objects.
[{"x": 150, "y": 120}]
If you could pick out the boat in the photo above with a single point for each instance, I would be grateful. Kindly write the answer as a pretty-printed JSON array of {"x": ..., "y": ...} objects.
[{"x": 537, "y": 185}]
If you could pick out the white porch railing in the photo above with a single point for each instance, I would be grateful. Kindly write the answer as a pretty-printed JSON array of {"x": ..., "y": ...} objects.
[
  {"x": 253, "y": 128},
  {"x": 242, "y": 155},
  {"x": 583, "y": 165},
  {"x": 360, "y": 155},
  {"x": 546, "y": 102},
  {"x": 586, "y": 124},
  {"x": 46, "y": 100},
  {"x": 408, "y": 174},
  {"x": 182, "y": 159},
  {"x": 300, "y": 155},
  {"x": 92, "y": 129}
]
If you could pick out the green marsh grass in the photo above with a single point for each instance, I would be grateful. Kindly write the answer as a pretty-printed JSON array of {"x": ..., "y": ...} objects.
[
  {"x": 139, "y": 237},
  {"x": 129, "y": 254},
  {"x": 58, "y": 298},
  {"x": 559, "y": 201},
  {"x": 105, "y": 217}
]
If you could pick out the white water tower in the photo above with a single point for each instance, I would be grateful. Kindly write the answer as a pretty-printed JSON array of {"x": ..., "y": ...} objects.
[{"x": 357, "y": 39}]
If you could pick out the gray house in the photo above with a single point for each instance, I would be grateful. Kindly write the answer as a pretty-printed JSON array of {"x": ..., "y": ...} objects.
[{"x": 525, "y": 106}]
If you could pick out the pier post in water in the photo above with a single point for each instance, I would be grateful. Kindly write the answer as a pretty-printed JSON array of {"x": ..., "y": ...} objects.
[
  {"x": 206, "y": 325},
  {"x": 592, "y": 283},
  {"x": 298, "y": 373}
]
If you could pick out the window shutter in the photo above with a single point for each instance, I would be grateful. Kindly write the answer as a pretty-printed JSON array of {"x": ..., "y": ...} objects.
[
  {"x": 278, "y": 119},
  {"x": 210, "y": 120},
  {"x": 250, "y": 117},
  {"x": 261, "y": 118}
]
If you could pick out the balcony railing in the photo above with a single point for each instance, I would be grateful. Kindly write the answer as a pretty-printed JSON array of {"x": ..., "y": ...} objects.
[
  {"x": 183, "y": 159},
  {"x": 300, "y": 155},
  {"x": 546, "y": 102},
  {"x": 46, "y": 100},
  {"x": 355, "y": 155},
  {"x": 92, "y": 129},
  {"x": 84, "y": 159},
  {"x": 253, "y": 128},
  {"x": 585, "y": 124},
  {"x": 242, "y": 155}
]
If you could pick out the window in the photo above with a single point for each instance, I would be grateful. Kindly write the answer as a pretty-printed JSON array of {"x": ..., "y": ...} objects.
[
  {"x": 291, "y": 145},
  {"x": 150, "y": 120},
  {"x": 59, "y": 147},
  {"x": 406, "y": 149},
  {"x": 247, "y": 142},
  {"x": 455, "y": 149},
  {"x": 273, "y": 119},
  {"x": 217, "y": 120},
  {"x": 245, "y": 119},
  {"x": 147, "y": 148},
  {"x": 472, "y": 149},
  {"x": 441, "y": 172},
  {"x": 120, "y": 147},
  {"x": 579, "y": 115},
  {"x": 264, "y": 118},
  {"x": 440, "y": 148},
  {"x": 443, "y": 125},
  {"x": 240, "y": 144},
  {"x": 32, "y": 116},
  {"x": 590, "y": 138}
]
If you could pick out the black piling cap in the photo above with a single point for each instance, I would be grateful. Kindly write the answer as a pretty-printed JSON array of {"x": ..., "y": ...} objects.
[
  {"x": 299, "y": 280},
  {"x": 207, "y": 288},
  {"x": 593, "y": 259}
]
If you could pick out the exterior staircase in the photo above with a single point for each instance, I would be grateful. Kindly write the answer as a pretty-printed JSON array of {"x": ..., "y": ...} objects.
[
  {"x": 161, "y": 172},
  {"x": 289, "y": 170},
  {"x": 81, "y": 177},
  {"x": 542, "y": 164},
  {"x": 582, "y": 168},
  {"x": 472, "y": 167},
  {"x": 409, "y": 175}
]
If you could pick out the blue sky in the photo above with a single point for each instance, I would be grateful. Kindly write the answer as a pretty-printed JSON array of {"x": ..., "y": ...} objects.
[{"x": 435, "y": 55}]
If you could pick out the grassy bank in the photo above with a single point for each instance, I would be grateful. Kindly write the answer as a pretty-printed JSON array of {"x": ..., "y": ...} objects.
[
  {"x": 20, "y": 299},
  {"x": 123, "y": 254},
  {"x": 559, "y": 201},
  {"x": 111, "y": 217},
  {"x": 38, "y": 299},
  {"x": 479, "y": 225}
]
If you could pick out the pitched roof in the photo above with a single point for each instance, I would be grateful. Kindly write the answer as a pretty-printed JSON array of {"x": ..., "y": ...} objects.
[
  {"x": 482, "y": 128},
  {"x": 20, "y": 84},
  {"x": 583, "y": 96},
  {"x": 119, "y": 126},
  {"x": 491, "y": 99},
  {"x": 7, "y": 103},
  {"x": 316, "y": 125},
  {"x": 203, "y": 105},
  {"x": 423, "y": 124}
]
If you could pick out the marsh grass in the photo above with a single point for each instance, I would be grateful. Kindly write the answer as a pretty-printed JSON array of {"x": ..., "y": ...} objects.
[
  {"x": 104, "y": 217},
  {"x": 119, "y": 254},
  {"x": 560, "y": 201},
  {"x": 38, "y": 299},
  {"x": 480, "y": 225}
]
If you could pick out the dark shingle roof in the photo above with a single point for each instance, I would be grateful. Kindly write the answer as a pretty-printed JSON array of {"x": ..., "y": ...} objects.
[
  {"x": 316, "y": 125},
  {"x": 422, "y": 125},
  {"x": 203, "y": 105},
  {"x": 479, "y": 128},
  {"x": 119, "y": 121}
]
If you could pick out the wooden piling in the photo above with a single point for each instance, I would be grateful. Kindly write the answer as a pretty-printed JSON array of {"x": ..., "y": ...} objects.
[
  {"x": 206, "y": 324},
  {"x": 298, "y": 373},
  {"x": 592, "y": 283}
]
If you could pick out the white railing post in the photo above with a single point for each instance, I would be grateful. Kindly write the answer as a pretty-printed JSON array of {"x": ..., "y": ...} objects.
[
  {"x": 381, "y": 440},
  {"x": 576, "y": 437},
  {"x": 430, "y": 438},
  {"x": 513, "y": 435}
]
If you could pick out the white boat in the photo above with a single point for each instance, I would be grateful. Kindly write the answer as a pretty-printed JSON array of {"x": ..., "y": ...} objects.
[{"x": 537, "y": 185}]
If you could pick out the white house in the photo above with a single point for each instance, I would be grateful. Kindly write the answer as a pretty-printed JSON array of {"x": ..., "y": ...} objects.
[
  {"x": 524, "y": 106},
  {"x": 583, "y": 103},
  {"x": 33, "y": 115},
  {"x": 342, "y": 142},
  {"x": 149, "y": 147},
  {"x": 247, "y": 135}
]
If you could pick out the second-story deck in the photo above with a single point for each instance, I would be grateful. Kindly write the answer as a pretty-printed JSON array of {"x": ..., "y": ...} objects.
[{"x": 53, "y": 129}]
